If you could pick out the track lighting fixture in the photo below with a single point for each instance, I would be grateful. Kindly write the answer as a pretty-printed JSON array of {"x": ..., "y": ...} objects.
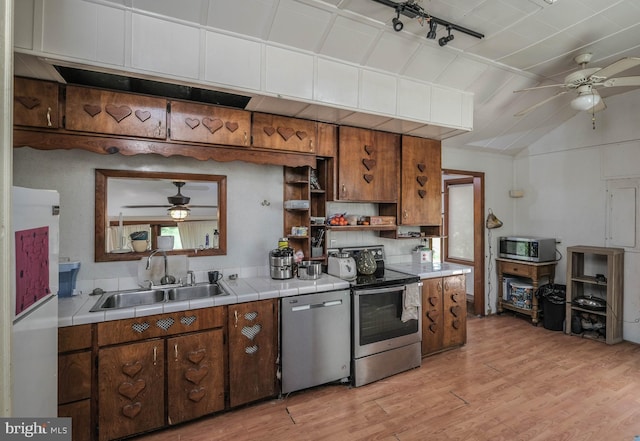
[
  {"x": 444, "y": 40},
  {"x": 433, "y": 26},
  {"x": 397, "y": 24}
]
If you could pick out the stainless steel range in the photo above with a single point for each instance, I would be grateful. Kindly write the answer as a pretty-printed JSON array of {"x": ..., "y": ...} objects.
[{"x": 382, "y": 343}]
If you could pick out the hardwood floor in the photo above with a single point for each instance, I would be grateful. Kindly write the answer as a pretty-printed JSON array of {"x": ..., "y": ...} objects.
[{"x": 512, "y": 381}]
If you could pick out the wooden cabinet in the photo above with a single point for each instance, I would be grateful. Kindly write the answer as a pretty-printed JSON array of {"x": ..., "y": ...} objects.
[
  {"x": 327, "y": 140},
  {"x": 535, "y": 271},
  {"x": 421, "y": 175},
  {"x": 195, "y": 375},
  {"x": 209, "y": 124},
  {"x": 595, "y": 272},
  {"x": 35, "y": 103},
  {"x": 74, "y": 378},
  {"x": 368, "y": 166},
  {"x": 253, "y": 348},
  {"x": 131, "y": 395},
  {"x": 283, "y": 133},
  {"x": 115, "y": 113},
  {"x": 444, "y": 321}
]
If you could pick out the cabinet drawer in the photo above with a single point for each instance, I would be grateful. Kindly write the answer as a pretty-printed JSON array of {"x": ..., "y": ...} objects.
[
  {"x": 282, "y": 133},
  {"x": 518, "y": 269},
  {"x": 74, "y": 377},
  {"x": 115, "y": 113},
  {"x": 35, "y": 103},
  {"x": 74, "y": 338},
  {"x": 160, "y": 325}
]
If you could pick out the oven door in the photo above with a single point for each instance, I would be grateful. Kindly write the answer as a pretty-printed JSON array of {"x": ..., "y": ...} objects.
[{"x": 377, "y": 324}]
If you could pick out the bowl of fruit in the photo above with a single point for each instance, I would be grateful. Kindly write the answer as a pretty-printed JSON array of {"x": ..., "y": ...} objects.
[{"x": 338, "y": 220}]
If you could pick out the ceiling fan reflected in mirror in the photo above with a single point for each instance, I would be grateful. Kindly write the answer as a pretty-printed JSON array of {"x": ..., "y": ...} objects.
[
  {"x": 179, "y": 204},
  {"x": 586, "y": 81}
]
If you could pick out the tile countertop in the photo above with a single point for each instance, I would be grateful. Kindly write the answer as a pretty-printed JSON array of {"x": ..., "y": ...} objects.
[
  {"x": 75, "y": 310},
  {"x": 430, "y": 270}
]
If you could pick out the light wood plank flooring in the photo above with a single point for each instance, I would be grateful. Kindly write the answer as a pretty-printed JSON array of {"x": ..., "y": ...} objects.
[{"x": 512, "y": 381}]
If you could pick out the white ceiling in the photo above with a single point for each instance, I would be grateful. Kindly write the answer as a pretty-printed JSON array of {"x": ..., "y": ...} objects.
[{"x": 527, "y": 43}]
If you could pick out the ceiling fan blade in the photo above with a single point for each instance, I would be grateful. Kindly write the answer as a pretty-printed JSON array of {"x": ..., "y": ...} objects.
[
  {"x": 539, "y": 87},
  {"x": 146, "y": 206},
  {"x": 622, "y": 81},
  {"x": 535, "y": 106},
  {"x": 615, "y": 68},
  {"x": 201, "y": 206}
]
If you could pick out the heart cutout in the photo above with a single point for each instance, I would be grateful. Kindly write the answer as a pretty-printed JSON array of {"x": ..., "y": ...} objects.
[
  {"x": 421, "y": 180},
  {"x": 251, "y": 331},
  {"x": 432, "y": 315},
  {"x": 421, "y": 167},
  {"x": 301, "y": 135},
  {"x": 369, "y": 163},
  {"x": 196, "y": 357},
  {"x": 91, "y": 109},
  {"x": 455, "y": 310},
  {"x": 213, "y": 124},
  {"x": 368, "y": 178},
  {"x": 369, "y": 149},
  {"x": 231, "y": 126},
  {"x": 192, "y": 122},
  {"x": 456, "y": 324},
  {"x": 132, "y": 369},
  {"x": 433, "y": 327},
  {"x": 269, "y": 130},
  {"x": 196, "y": 395},
  {"x": 433, "y": 300},
  {"x": 195, "y": 375},
  {"x": 131, "y": 390},
  {"x": 454, "y": 297},
  {"x": 131, "y": 410},
  {"x": 28, "y": 101},
  {"x": 118, "y": 113},
  {"x": 143, "y": 115},
  {"x": 422, "y": 193},
  {"x": 286, "y": 132}
]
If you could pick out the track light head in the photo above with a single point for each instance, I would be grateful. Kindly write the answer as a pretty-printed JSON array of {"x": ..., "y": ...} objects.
[
  {"x": 433, "y": 26},
  {"x": 444, "y": 40},
  {"x": 397, "y": 24}
]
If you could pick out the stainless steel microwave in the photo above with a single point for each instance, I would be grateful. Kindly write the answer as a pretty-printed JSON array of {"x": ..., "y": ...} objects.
[{"x": 531, "y": 249}]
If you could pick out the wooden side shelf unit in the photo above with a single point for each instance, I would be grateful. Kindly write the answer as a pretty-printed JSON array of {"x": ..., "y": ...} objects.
[{"x": 595, "y": 272}]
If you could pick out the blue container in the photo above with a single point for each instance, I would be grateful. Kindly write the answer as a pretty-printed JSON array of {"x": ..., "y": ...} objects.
[{"x": 67, "y": 273}]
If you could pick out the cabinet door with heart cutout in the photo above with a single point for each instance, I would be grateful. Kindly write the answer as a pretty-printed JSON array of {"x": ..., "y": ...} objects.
[
  {"x": 283, "y": 133},
  {"x": 432, "y": 320},
  {"x": 210, "y": 124},
  {"x": 455, "y": 310},
  {"x": 115, "y": 113},
  {"x": 421, "y": 182},
  {"x": 195, "y": 375},
  {"x": 131, "y": 389}
]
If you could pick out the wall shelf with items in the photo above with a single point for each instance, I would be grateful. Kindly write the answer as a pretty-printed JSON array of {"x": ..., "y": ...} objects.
[{"x": 595, "y": 289}]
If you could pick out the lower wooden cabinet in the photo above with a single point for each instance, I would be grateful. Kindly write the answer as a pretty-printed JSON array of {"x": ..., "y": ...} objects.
[
  {"x": 80, "y": 414},
  {"x": 253, "y": 348},
  {"x": 444, "y": 323}
]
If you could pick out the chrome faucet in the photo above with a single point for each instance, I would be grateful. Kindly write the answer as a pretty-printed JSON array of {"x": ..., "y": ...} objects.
[{"x": 166, "y": 279}]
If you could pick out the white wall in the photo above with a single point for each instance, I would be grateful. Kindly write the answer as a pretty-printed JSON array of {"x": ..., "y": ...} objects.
[
  {"x": 253, "y": 229},
  {"x": 564, "y": 176}
]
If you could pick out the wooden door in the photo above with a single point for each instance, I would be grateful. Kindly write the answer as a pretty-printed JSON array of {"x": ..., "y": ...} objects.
[
  {"x": 421, "y": 201},
  {"x": 210, "y": 124},
  {"x": 283, "y": 133},
  {"x": 35, "y": 103},
  {"x": 130, "y": 389},
  {"x": 368, "y": 165},
  {"x": 455, "y": 311},
  {"x": 195, "y": 375},
  {"x": 252, "y": 351},
  {"x": 432, "y": 321}
]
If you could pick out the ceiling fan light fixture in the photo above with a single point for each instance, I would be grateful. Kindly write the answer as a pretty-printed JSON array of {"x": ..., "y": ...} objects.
[
  {"x": 178, "y": 212},
  {"x": 585, "y": 100}
]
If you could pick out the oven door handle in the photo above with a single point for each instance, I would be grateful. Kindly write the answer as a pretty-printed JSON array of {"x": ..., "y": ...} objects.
[
  {"x": 368, "y": 291},
  {"x": 317, "y": 305}
]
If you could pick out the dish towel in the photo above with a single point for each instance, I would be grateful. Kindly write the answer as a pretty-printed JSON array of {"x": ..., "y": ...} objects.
[{"x": 411, "y": 303}]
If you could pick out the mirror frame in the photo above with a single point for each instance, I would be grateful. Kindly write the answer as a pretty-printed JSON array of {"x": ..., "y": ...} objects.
[{"x": 102, "y": 177}]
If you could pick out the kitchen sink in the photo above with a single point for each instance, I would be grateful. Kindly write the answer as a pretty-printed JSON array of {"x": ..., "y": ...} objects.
[
  {"x": 128, "y": 299},
  {"x": 195, "y": 292}
]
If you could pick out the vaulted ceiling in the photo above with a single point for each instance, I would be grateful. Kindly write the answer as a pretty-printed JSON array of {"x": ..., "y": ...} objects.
[{"x": 526, "y": 43}]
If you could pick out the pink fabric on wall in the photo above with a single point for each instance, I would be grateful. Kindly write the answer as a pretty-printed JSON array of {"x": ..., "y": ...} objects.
[{"x": 32, "y": 267}]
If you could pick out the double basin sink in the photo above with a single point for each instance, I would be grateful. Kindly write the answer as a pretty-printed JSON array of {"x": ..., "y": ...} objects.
[{"x": 129, "y": 299}]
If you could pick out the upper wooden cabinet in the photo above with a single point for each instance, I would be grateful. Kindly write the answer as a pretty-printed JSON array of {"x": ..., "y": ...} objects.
[
  {"x": 327, "y": 140},
  {"x": 368, "y": 165},
  {"x": 115, "y": 113},
  {"x": 421, "y": 202},
  {"x": 35, "y": 103},
  {"x": 209, "y": 124},
  {"x": 283, "y": 133}
]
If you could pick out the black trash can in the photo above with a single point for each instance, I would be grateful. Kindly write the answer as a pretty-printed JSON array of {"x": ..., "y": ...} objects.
[{"x": 553, "y": 306}]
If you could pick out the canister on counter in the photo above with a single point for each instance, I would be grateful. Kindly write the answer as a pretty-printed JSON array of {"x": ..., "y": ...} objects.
[{"x": 283, "y": 242}]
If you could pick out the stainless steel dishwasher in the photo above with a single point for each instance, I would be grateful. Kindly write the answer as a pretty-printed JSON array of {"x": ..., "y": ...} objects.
[{"x": 315, "y": 343}]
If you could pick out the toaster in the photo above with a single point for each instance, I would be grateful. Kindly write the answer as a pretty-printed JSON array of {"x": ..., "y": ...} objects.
[{"x": 343, "y": 266}]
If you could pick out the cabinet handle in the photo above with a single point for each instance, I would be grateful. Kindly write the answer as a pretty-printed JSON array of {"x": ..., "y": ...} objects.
[
  {"x": 245, "y": 137},
  {"x": 49, "y": 117},
  {"x": 344, "y": 190},
  {"x": 446, "y": 285},
  {"x": 155, "y": 355},
  {"x": 235, "y": 314},
  {"x": 311, "y": 145},
  {"x": 405, "y": 214},
  {"x": 439, "y": 285},
  {"x": 175, "y": 351}
]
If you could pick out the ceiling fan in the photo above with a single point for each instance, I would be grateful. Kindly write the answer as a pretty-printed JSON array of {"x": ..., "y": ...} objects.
[
  {"x": 177, "y": 200},
  {"x": 586, "y": 81}
]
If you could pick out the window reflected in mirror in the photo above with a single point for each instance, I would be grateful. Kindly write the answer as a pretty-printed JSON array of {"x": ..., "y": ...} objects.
[{"x": 134, "y": 208}]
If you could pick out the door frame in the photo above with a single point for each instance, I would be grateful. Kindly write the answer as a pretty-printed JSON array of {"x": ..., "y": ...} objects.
[{"x": 477, "y": 179}]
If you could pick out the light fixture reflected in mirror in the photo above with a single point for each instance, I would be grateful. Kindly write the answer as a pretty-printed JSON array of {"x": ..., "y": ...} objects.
[{"x": 178, "y": 212}]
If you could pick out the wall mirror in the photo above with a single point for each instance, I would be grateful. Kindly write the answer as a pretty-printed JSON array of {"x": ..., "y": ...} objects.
[{"x": 136, "y": 205}]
